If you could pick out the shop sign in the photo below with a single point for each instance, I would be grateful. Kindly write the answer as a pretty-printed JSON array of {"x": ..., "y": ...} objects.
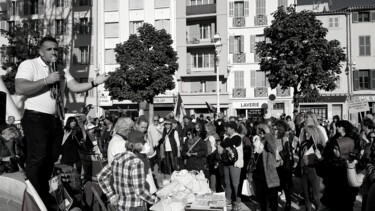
[
  {"x": 250, "y": 105},
  {"x": 358, "y": 105},
  {"x": 368, "y": 98},
  {"x": 163, "y": 100},
  {"x": 105, "y": 99}
]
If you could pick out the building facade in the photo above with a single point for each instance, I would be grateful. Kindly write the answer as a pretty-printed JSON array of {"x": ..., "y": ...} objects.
[{"x": 118, "y": 20}]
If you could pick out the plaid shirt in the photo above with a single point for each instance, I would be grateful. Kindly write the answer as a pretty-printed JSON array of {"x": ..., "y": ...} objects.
[{"x": 129, "y": 180}]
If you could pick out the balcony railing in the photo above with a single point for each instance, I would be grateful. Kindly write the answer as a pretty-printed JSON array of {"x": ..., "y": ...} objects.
[
  {"x": 201, "y": 9},
  {"x": 239, "y": 22},
  {"x": 239, "y": 92},
  {"x": 239, "y": 58},
  {"x": 195, "y": 39},
  {"x": 261, "y": 92},
  {"x": 260, "y": 20},
  {"x": 282, "y": 93}
]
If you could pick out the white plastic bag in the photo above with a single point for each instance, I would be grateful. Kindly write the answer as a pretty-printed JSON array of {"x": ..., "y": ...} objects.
[{"x": 247, "y": 188}]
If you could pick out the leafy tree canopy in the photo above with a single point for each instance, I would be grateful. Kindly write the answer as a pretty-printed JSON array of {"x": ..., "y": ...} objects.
[
  {"x": 296, "y": 54},
  {"x": 147, "y": 66},
  {"x": 23, "y": 43}
]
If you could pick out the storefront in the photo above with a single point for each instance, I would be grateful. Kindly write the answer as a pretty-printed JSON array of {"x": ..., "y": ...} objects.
[{"x": 252, "y": 109}]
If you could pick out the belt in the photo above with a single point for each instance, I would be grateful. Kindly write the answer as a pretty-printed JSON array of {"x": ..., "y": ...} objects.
[{"x": 39, "y": 113}]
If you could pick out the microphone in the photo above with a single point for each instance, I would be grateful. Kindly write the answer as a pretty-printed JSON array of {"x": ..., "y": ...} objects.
[{"x": 53, "y": 63}]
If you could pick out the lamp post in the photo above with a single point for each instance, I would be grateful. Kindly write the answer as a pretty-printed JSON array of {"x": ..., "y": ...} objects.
[{"x": 218, "y": 45}]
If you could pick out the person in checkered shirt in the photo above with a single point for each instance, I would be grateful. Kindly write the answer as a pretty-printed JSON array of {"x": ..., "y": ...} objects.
[{"x": 128, "y": 192}]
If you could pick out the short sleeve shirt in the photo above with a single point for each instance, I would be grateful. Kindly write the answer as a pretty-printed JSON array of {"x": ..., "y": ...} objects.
[{"x": 34, "y": 70}]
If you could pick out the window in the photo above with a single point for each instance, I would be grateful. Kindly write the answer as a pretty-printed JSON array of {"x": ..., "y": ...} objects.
[
  {"x": 84, "y": 26},
  {"x": 11, "y": 25},
  {"x": 238, "y": 44},
  {"x": 135, "y": 4},
  {"x": 260, "y": 79},
  {"x": 205, "y": 31},
  {"x": 110, "y": 56},
  {"x": 364, "y": 46},
  {"x": 364, "y": 79},
  {"x": 60, "y": 26},
  {"x": 333, "y": 22},
  {"x": 13, "y": 8},
  {"x": 363, "y": 17},
  {"x": 260, "y": 7},
  {"x": 81, "y": 55},
  {"x": 85, "y": 2},
  {"x": 134, "y": 26},
  {"x": 203, "y": 60},
  {"x": 239, "y": 79},
  {"x": 111, "y": 5},
  {"x": 161, "y": 3},
  {"x": 238, "y": 9},
  {"x": 35, "y": 25},
  {"x": 163, "y": 24},
  {"x": 199, "y": 2},
  {"x": 59, "y": 3},
  {"x": 4, "y": 26},
  {"x": 111, "y": 30},
  {"x": 34, "y": 7}
]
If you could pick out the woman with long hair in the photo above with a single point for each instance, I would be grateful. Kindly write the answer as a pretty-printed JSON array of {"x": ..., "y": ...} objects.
[
  {"x": 285, "y": 165},
  {"x": 309, "y": 149},
  {"x": 194, "y": 151},
  {"x": 265, "y": 175},
  {"x": 338, "y": 194},
  {"x": 73, "y": 137}
]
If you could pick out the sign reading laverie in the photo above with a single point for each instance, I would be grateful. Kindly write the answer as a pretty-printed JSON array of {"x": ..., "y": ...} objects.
[{"x": 358, "y": 105}]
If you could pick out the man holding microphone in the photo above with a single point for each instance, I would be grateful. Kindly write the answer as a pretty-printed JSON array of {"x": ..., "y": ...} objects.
[{"x": 43, "y": 83}]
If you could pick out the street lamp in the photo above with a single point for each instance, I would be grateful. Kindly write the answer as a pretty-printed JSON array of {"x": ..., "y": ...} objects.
[{"x": 218, "y": 45}]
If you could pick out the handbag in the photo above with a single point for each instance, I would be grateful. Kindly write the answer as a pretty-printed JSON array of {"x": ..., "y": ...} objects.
[
  {"x": 247, "y": 188},
  {"x": 253, "y": 164},
  {"x": 230, "y": 155}
]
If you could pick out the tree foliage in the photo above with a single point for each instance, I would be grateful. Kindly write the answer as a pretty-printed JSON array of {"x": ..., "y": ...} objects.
[
  {"x": 147, "y": 66},
  {"x": 297, "y": 54},
  {"x": 23, "y": 43}
]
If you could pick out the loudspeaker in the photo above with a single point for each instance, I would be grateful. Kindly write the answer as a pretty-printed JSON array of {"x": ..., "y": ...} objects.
[{"x": 3, "y": 107}]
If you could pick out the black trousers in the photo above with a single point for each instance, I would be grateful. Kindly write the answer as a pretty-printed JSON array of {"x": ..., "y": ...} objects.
[{"x": 44, "y": 135}]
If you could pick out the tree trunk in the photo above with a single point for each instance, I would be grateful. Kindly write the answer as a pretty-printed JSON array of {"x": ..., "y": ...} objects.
[{"x": 295, "y": 98}]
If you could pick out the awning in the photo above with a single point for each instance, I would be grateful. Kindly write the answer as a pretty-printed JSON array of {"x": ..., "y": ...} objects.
[{"x": 327, "y": 99}]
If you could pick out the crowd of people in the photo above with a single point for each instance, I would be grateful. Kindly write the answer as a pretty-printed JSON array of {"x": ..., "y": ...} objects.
[{"x": 334, "y": 162}]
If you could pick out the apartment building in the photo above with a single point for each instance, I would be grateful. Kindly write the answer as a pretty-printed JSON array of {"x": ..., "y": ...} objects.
[
  {"x": 72, "y": 23},
  {"x": 198, "y": 21},
  {"x": 249, "y": 92},
  {"x": 117, "y": 20}
]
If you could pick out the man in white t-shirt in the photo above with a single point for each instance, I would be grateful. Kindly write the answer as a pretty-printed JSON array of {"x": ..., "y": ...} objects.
[{"x": 41, "y": 122}]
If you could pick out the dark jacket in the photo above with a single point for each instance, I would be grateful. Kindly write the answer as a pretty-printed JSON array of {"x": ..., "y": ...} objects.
[
  {"x": 172, "y": 141},
  {"x": 195, "y": 162}
]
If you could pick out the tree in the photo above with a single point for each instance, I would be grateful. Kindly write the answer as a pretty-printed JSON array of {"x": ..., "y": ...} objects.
[
  {"x": 296, "y": 54},
  {"x": 23, "y": 43},
  {"x": 147, "y": 66}
]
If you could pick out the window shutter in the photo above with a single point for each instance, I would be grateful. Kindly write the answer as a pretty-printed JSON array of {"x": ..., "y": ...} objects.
[
  {"x": 252, "y": 78},
  {"x": 372, "y": 79},
  {"x": 355, "y": 17},
  {"x": 246, "y": 8},
  {"x": 231, "y": 9},
  {"x": 195, "y": 32},
  {"x": 356, "y": 80},
  {"x": 252, "y": 43},
  {"x": 188, "y": 63},
  {"x": 213, "y": 30},
  {"x": 242, "y": 44},
  {"x": 372, "y": 16},
  {"x": 231, "y": 44},
  {"x": 266, "y": 79},
  {"x": 90, "y": 29}
]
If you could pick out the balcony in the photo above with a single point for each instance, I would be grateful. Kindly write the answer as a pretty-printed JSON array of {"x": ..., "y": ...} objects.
[
  {"x": 195, "y": 39},
  {"x": 239, "y": 58},
  {"x": 239, "y": 22},
  {"x": 239, "y": 92},
  {"x": 201, "y": 9},
  {"x": 261, "y": 92},
  {"x": 260, "y": 20}
]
